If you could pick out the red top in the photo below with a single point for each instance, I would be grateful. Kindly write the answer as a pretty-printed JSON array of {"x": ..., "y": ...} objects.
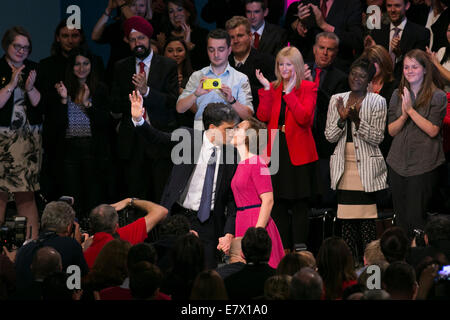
[
  {"x": 134, "y": 233},
  {"x": 300, "y": 107}
]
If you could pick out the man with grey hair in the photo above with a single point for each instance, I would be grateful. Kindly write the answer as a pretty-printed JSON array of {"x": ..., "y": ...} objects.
[
  {"x": 329, "y": 81},
  {"x": 306, "y": 284},
  {"x": 104, "y": 223},
  {"x": 57, "y": 224}
]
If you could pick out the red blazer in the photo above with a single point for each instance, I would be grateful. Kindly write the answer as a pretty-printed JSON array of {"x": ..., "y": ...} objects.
[{"x": 300, "y": 106}]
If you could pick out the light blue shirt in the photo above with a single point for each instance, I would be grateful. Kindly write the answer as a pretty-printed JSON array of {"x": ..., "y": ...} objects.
[{"x": 237, "y": 81}]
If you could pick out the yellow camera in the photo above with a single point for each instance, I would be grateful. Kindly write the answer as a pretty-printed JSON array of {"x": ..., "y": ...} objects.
[{"x": 212, "y": 84}]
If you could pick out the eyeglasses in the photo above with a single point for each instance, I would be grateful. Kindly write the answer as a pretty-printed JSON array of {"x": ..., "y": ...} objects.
[{"x": 18, "y": 47}]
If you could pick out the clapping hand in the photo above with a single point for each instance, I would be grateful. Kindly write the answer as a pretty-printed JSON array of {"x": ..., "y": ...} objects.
[
  {"x": 395, "y": 45},
  {"x": 264, "y": 82},
  {"x": 29, "y": 84},
  {"x": 291, "y": 83},
  {"x": 16, "y": 76},
  {"x": 86, "y": 94},
  {"x": 140, "y": 82},
  {"x": 406, "y": 102},
  {"x": 137, "y": 108},
  {"x": 342, "y": 110},
  {"x": 432, "y": 56},
  {"x": 61, "y": 89},
  {"x": 308, "y": 75}
]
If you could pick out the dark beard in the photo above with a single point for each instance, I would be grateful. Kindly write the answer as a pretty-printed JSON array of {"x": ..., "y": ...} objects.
[{"x": 141, "y": 54}]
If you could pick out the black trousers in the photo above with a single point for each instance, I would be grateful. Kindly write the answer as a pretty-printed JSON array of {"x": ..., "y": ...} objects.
[
  {"x": 80, "y": 176},
  {"x": 206, "y": 233},
  {"x": 411, "y": 197},
  {"x": 358, "y": 233},
  {"x": 291, "y": 218}
]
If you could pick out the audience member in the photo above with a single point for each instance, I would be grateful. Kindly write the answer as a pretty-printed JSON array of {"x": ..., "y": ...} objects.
[
  {"x": 57, "y": 231},
  {"x": 208, "y": 285},
  {"x": 329, "y": 81},
  {"x": 376, "y": 295},
  {"x": 373, "y": 253},
  {"x": 144, "y": 171},
  {"x": 190, "y": 189},
  {"x": 145, "y": 281},
  {"x": 266, "y": 37},
  {"x": 46, "y": 261},
  {"x": 80, "y": 126},
  {"x": 394, "y": 244},
  {"x": 246, "y": 59},
  {"x": 277, "y": 287},
  {"x": 416, "y": 112},
  {"x": 235, "y": 88},
  {"x": 109, "y": 269},
  {"x": 252, "y": 186},
  {"x": 249, "y": 282},
  {"x": 187, "y": 262},
  {"x": 437, "y": 240},
  {"x": 113, "y": 33},
  {"x": 180, "y": 20},
  {"x": 287, "y": 105},
  {"x": 177, "y": 50},
  {"x": 400, "y": 35},
  {"x": 306, "y": 284},
  {"x": 383, "y": 83},
  {"x": 54, "y": 288},
  {"x": 292, "y": 263},
  {"x": 236, "y": 261},
  {"x": 104, "y": 224},
  {"x": 21, "y": 126},
  {"x": 305, "y": 19},
  {"x": 356, "y": 121},
  {"x": 440, "y": 59},
  {"x": 400, "y": 281},
  {"x": 335, "y": 266}
]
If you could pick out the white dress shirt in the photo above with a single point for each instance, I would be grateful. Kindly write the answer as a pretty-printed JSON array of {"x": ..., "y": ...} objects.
[{"x": 192, "y": 195}]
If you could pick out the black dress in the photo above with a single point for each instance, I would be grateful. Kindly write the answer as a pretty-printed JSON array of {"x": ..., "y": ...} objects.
[{"x": 292, "y": 182}]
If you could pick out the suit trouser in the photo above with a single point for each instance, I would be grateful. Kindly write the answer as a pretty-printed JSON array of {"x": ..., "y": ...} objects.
[
  {"x": 206, "y": 233},
  {"x": 411, "y": 197}
]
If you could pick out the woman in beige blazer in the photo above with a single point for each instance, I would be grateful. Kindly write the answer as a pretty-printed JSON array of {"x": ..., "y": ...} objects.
[{"x": 356, "y": 121}]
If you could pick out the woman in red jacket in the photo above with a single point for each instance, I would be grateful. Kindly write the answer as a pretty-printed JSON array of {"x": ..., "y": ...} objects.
[{"x": 288, "y": 105}]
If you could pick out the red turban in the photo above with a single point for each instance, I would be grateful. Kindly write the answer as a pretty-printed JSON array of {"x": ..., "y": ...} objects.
[{"x": 139, "y": 24}]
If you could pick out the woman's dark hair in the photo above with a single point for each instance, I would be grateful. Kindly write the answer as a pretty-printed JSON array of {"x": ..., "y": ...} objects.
[
  {"x": 254, "y": 142},
  {"x": 186, "y": 68},
  {"x": 188, "y": 257},
  {"x": 446, "y": 55},
  {"x": 208, "y": 285},
  {"x": 394, "y": 244},
  {"x": 12, "y": 33},
  {"x": 56, "y": 46},
  {"x": 291, "y": 264},
  {"x": 365, "y": 65},
  {"x": 71, "y": 81},
  {"x": 335, "y": 266}
]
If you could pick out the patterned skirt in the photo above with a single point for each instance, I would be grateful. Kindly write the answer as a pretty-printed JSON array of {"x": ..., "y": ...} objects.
[{"x": 20, "y": 154}]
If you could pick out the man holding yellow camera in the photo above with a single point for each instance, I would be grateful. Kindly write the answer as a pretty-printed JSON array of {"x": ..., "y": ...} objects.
[{"x": 219, "y": 82}]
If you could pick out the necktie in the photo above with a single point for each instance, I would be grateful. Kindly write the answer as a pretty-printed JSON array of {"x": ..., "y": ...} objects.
[
  {"x": 142, "y": 70},
  {"x": 239, "y": 65},
  {"x": 205, "y": 202},
  {"x": 392, "y": 54},
  {"x": 256, "y": 40},
  {"x": 317, "y": 78},
  {"x": 323, "y": 8}
]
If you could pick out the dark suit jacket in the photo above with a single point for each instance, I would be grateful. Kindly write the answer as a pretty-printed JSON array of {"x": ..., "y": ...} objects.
[
  {"x": 224, "y": 213},
  {"x": 249, "y": 282},
  {"x": 273, "y": 39},
  {"x": 256, "y": 60},
  {"x": 332, "y": 82},
  {"x": 413, "y": 37},
  {"x": 160, "y": 102},
  {"x": 419, "y": 14},
  {"x": 345, "y": 16}
]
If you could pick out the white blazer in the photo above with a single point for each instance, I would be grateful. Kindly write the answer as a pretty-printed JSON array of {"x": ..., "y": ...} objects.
[{"x": 370, "y": 162}]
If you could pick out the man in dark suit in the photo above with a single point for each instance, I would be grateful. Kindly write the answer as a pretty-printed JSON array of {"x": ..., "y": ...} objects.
[
  {"x": 248, "y": 283},
  {"x": 145, "y": 170},
  {"x": 305, "y": 19},
  {"x": 199, "y": 186},
  {"x": 246, "y": 59},
  {"x": 268, "y": 38},
  {"x": 400, "y": 36},
  {"x": 330, "y": 81}
]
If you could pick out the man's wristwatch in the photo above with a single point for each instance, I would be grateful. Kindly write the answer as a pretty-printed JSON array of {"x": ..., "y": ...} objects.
[
  {"x": 234, "y": 101},
  {"x": 131, "y": 204}
]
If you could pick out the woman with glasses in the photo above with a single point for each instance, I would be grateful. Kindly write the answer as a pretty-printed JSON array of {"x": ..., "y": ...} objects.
[{"x": 20, "y": 128}]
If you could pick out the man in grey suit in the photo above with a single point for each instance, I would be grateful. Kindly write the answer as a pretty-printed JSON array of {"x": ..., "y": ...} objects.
[{"x": 267, "y": 37}]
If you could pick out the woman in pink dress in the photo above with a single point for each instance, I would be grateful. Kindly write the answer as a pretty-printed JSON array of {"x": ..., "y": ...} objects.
[{"x": 252, "y": 188}]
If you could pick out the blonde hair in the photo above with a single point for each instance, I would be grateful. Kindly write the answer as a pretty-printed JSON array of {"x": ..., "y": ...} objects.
[
  {"x": 296, "y": 58},
  {"x": 237, "y": 21},
  {"x": 373, "y": 252},
  {"x": 148, "y": 6}
]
